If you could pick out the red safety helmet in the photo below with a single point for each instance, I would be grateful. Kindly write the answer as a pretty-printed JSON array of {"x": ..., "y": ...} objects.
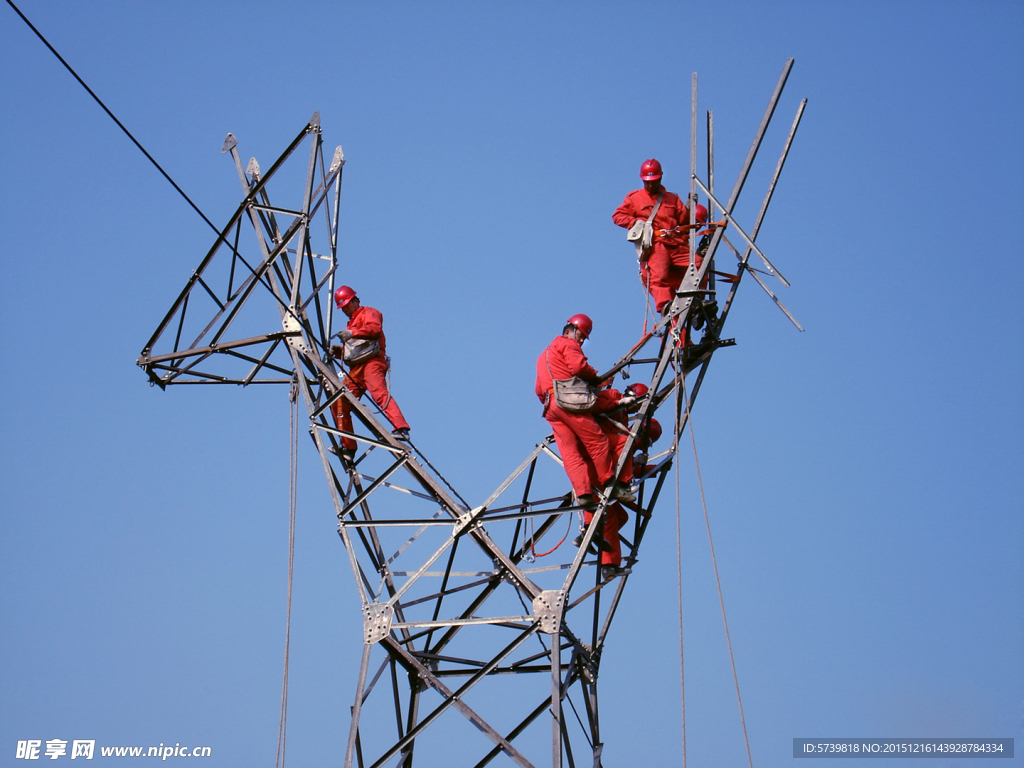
[
  {"x": 701, "y": 213},
  {"x": 650, "y": 170},
  {"x": 653, "y": 431},
  {"x": 584, "y": 323},
  {"x": 343, "y": 295},
  {"x": 637, "y": 390}
]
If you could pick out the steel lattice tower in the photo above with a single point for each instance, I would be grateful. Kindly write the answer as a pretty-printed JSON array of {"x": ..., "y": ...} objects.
[{"x": 452, "y": 599}]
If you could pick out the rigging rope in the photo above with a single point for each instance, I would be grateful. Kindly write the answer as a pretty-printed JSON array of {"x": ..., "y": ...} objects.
[
  {"x": 679, "y": 548},
  {"x": 112, "y": 117},
  {"x": 714, "y": 563},
  {"x": 647, "y": 297},
  {"x": 533, "y": 542},
  {"x": 293, "y": 481}
]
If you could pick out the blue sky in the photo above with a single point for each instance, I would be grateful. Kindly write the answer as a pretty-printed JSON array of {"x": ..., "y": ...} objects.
[{"x": 864, "y": 478}]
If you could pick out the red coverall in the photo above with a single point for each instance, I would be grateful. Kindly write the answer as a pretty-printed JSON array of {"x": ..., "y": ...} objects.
[
  {"x": 607, "y": 399},
  {"x": 669, "y": 257},
  {"x": 369, "y": 375},
  {"x": 578, "y": 436},
  {"x": 584, "y": 446},
  {"x": 615, "y": 516}
]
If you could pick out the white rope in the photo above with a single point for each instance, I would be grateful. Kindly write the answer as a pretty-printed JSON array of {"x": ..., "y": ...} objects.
[
  {"x": 293, "y": 480},
  {"x": 646, "y": 286},
  {"x": 714, "y": 563},
  {"x": 679, "y": 557}
]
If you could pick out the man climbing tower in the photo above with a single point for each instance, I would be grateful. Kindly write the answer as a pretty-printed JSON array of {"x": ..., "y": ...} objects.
[
  {"x": 579, "y": 438},
  {"x": 658, "y": 222},
  {"x": 363, "y": 349}
]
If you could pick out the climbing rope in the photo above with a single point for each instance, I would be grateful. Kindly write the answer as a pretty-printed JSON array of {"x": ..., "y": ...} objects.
[
  {"x": 293, "y": 481},
  {"x": 646, "y": 283},
  {"x": 679, "y": 553},
  {"x": 714, "y": 563}
]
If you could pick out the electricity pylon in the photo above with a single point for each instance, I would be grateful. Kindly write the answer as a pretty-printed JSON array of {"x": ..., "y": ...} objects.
[{"x": 454, "y": 599}]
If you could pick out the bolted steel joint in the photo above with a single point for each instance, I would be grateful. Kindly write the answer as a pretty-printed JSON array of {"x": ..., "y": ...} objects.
[
  {"x": 547, "y": 607},
  {"x": 377, "y": 619}
]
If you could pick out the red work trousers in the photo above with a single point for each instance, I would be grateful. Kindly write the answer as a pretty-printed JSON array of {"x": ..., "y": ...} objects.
[
  {"x": 661, "y": 275},
  {"x": 616, "y": 442},
  {"x": 367, "y": 377},
  {"x": 580, "y": 441},
  {"x": 614, "y": 518}
]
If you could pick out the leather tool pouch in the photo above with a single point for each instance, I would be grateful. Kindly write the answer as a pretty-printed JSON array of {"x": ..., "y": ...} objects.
[
  {"x": 572, "y": 395},
  {"x": 356, "y": 351},
  {"x": 641, "y": 234}
]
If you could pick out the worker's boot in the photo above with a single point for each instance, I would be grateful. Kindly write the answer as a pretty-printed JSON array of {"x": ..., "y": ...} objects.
[
  {"x": 711, "y": 311},
  {"x": 609, "y": 572},
  {"x": 343, "y": 452},
  {"x": 597, "y": 545},
  {"x": 622, "y": 492},
  {"x": 697, "y": 317}
]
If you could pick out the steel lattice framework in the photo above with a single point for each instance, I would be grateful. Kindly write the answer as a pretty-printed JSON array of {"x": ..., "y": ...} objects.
[{"x": 453, "y": 598}]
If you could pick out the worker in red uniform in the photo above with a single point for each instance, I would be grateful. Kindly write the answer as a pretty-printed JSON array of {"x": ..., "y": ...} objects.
[
  {"x": 612, "y": 409},
  {"x": 664, "y": 261},
  {"x": 368, "y": 374},
  {"x": 616, "y": 407},
  {"x": 646, "y": 435},
  {"x": 585, "y": 449},
  {"x": 578, "y": 436}
]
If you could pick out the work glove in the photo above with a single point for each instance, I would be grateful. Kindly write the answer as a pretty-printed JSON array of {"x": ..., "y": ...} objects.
[
  {"x": 344, "y": 335},
  {"x": 627, "y": 401},
  {"x": 335, "y": 350}
]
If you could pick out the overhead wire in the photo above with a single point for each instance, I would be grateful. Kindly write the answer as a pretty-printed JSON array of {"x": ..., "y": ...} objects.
[
  {"x": 113, "y": 117},
  {"x": 293, "y": 466}
]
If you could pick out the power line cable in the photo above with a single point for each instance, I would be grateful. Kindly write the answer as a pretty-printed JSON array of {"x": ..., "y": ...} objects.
[{"x": 113, "y": 117}]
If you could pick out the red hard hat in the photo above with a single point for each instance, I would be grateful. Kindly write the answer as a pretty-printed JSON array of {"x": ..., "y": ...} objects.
[
  {"x": 650, "y": 170},
  {"x": 637, "y": 390},
  {"x": 343, "y": 295},
  {"x": 653, "y": 431},
  {"x": 584, "y": 323},
  {"x": 701, "y": 213}
]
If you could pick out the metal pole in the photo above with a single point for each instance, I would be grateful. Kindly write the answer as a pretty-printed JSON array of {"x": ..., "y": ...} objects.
[
  {"x": 711, "y": 186},
  {"x": 357, "y": 707},
  {"x": 556, "y": 701}
]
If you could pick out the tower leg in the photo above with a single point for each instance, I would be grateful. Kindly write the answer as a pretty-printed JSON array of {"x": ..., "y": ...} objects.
[
  {"x": 414, "y": 708},
  {"x": 357, "y": 706},
  {"x": 556, "y": 701}
]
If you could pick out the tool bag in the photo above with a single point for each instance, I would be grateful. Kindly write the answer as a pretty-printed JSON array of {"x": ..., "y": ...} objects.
[
  {"x": 356, "y": 351},
  {"x": 641, "y": 234},
  {"x": 572, "y": 395}
]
